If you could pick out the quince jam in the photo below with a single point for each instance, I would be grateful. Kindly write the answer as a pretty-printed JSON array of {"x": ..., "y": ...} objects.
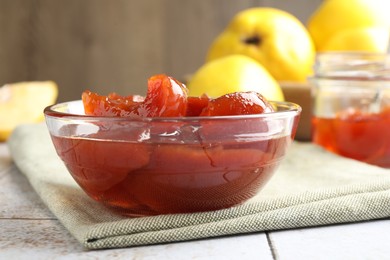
[
  {"x": 166, "y": 165},
  {"x": 355, "y": 134},
  {"x": 167, "y": 97}
]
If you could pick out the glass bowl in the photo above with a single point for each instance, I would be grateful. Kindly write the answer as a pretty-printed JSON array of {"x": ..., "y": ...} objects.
[{"x": 151, "y": 166}]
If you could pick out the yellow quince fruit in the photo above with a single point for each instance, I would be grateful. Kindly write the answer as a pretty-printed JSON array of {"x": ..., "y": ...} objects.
[
  {"x": 24, "y": 102},
  {"x": 370, "y": 39},
  {"x": 334, "y": 16},
  {"x": 233, "y": 73},
  {"x": 274, "y": 38}
]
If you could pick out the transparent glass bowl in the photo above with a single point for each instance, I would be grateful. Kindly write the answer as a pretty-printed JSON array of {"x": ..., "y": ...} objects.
[{"x": 150, "y": 166}]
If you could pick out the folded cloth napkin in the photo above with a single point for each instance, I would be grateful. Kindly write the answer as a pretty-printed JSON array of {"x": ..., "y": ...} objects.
[{"x": 312, "y": 187}]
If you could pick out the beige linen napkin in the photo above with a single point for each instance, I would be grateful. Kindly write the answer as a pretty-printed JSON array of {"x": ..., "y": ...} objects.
[{"x": 312, "y": 187}]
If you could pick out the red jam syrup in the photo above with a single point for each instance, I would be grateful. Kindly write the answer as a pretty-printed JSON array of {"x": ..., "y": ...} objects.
[
  {"x": 357, "y": 135},
  {"x": 156, "y": 178}
]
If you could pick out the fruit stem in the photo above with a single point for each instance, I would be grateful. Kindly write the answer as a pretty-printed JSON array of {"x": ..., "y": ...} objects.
[{"x": 254, "y": 40}]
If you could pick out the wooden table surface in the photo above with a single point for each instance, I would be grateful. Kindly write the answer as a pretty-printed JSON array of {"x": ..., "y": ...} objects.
[{"x": 28, "y": 230}]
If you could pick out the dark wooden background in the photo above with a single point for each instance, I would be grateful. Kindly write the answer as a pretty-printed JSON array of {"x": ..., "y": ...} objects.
[{"x": 114, "y": 45}]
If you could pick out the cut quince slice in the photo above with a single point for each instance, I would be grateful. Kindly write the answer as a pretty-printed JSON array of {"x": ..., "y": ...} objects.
[{"x": 24, "y": 102}]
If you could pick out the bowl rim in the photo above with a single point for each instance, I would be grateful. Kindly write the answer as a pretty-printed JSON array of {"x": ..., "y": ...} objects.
[{"x": 293, "y": 109}]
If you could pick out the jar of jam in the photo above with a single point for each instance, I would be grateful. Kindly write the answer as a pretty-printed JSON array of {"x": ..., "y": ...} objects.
[{"x": 351, "y": 105}]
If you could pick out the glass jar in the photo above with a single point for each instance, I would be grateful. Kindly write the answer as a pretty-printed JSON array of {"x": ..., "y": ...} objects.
[{"x": 351, "y": 105}]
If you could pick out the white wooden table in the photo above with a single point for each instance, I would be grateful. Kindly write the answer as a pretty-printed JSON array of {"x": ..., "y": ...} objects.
[{"x": 28, "y": 230}]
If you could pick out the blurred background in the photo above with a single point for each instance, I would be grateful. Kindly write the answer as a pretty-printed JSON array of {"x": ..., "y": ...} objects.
[{"x": 114, "y": 46}]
